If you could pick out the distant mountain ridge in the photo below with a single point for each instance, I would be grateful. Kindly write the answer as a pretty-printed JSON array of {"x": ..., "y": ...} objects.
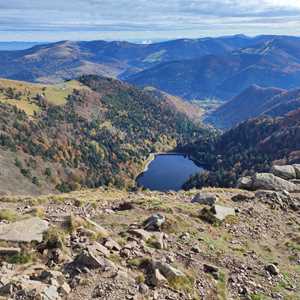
[
  {"x": 67, "y": 60},
  {"x": 273, "y": 62},
  {"x": 253, "y": 102}
]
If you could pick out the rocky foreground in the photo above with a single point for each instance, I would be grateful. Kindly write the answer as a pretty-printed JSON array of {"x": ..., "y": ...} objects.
[{"x": 109, "y": 244}]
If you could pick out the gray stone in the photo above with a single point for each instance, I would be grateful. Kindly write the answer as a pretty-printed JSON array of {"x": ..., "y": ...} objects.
[
  {"x": 272, "y": 269},
  {"x": 285, "y": 172},
  {"x": 141, "y": 234},
  {"x": 205, "y": 198},
  {"x": 28, "y": 230},
  {"x": 212, "y": 270},
  {"x": 297, "y": 170},
  {"x": 112, "y": 245},
  {"x": 154, "y": 222},
  {"x": 245, "y": 183},
  {"x": 167, "y": 270},
  {"x": 90, "y": 260},
  {"x": 269, "y": 181},
  {"x": 221, "y": 212},
  {"x": 157, "y": 279},
  {"x": 216, "y": 213},
  {"x": 99, "y": 249}
]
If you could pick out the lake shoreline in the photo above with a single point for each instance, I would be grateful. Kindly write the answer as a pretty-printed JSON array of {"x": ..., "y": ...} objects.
[{"x": 152, "y": 157}]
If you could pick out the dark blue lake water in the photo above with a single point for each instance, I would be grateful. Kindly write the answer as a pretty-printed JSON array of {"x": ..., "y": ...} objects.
[{"x": 168, "y": 172}]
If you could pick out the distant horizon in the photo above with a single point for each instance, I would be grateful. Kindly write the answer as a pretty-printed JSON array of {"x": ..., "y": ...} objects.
[{"x": 136, "y": 41}]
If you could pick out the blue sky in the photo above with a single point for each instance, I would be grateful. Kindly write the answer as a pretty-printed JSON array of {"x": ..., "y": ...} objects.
[{"x": 144, "y": 20}]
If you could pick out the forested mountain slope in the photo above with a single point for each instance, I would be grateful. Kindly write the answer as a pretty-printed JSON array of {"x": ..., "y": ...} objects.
[{"x": 100, "y": 135}]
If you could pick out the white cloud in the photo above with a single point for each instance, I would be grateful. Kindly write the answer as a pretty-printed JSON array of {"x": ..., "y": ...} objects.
[{"x": 147, "y": 19}]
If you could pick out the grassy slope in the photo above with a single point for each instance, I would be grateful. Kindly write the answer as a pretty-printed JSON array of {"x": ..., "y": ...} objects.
[{"x": 56, "y": 94}]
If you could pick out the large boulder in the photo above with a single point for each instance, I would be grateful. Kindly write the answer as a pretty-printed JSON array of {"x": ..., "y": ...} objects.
[
  {"x": 216, "y": 213},
  {"x": 154, "y": 222},
  {"x": 268, "y": 181},
  {"x": 285, "y": 172},
  {"x": 28, "y": 230},
  {"x": 205, "y": 198}
]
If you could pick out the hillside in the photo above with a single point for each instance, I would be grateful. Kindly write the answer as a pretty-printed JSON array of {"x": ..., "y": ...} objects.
[
  {"x": 273, "y": 63},
  {"x": 98, "y": 244},
  {"x": 253, "y": 102},
  {"x": 94, "y": 132},
  {"x": 55, "y": 62},
  {"x": 250, "y": 147}
]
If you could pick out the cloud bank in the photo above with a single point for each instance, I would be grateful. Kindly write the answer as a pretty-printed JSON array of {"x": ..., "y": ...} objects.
[{"x": 144, "y": 19}]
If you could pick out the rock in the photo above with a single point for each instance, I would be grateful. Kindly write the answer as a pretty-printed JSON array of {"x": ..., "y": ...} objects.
[
  {"x": 9, "y": 251},
  {"x": 212, "y": 270},
  {"x": 112, "y": 245},
  {"x": 92, "y": 259},
  {"x": 27, "y": 287},
  {"x": 99, "y": 249},
  {"x": 98, "y": 228},
  {"x": 143, "y": 289},
  {"x": 297, "y": 170},
  {"x": 140, "y": 233},
  {"x": 157, "y": 279},
  {"x": 154, "y": 222},
  {"x": 243, "y": 197},
  {"x": 167, "y": 270},
  {"x": 216, "y": 213},
  {"x": 272, "y": 269},
  {"x": 269, "y": 181},
  {"x": 245, "y": 183},
  {"x": 205, "y": 198},
  {"x": 157, "y": 238},
  {"x": 196, "y": 249},
  {"x": 28, "y": 230},
  {"x": 285, "y": 172},
  {"x": 64, "y": 289}
]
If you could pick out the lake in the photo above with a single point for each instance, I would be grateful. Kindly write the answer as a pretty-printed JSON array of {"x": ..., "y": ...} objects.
[{"x": 168, "y": 172}]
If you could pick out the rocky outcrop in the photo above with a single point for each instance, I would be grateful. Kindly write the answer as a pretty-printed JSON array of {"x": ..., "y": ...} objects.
[
  {"x": 267, "y": 181},
  {"x": 28, "y": 230},
  {"x": 286, "y": 172}
]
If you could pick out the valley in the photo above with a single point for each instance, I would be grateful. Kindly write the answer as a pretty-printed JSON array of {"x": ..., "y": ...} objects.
[{"x": 161, "y": 171}]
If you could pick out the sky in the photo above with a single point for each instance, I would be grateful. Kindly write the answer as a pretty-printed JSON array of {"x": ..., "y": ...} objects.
[{"x": 144, "y": 20}]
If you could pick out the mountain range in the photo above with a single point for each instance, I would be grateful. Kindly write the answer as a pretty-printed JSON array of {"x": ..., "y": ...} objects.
[
  {"x": 190, "y": 68},
  {"x": 253, "y": 102},
  {"x": 271, "y": 63}
]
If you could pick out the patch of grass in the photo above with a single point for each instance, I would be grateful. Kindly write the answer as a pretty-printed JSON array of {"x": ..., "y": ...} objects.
[
  {"x": 54, "y": 238},
  {"x": 257, "y": 297},
  {"x": 8, "y": 215},
  {"x": 221, "y": 286},
  {"x": 140, "y": 278},
  {"x": 21, "y": 258},
  {"x": 38, "y": 212},
  {"x": 73, "y": 222},
  {"x": 138, "y": 262},
  {"x": 182, "y": 283}
]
